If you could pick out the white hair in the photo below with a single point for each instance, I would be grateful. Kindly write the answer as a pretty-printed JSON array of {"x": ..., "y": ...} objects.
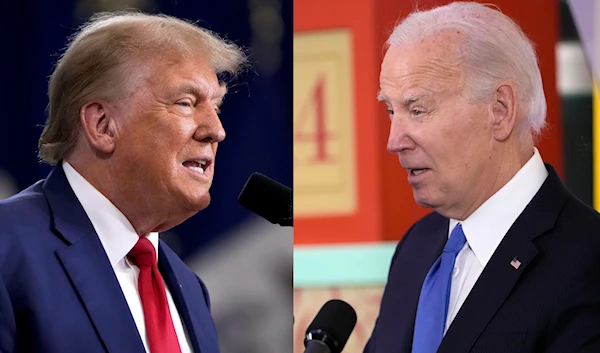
[{"x": 494, "y": 49}]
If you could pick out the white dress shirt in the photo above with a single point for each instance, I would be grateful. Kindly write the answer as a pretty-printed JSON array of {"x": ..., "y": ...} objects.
[
  {"x": 485, "y": 228},
  {"x": 118, "y": 238}
]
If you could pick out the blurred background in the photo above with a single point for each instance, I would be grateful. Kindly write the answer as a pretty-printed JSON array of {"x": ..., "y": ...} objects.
[
  {"x": 344, "y": 241},
  {"x": 245, "y": 261}
]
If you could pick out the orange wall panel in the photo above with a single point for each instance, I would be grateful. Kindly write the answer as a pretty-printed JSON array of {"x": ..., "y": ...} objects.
[{"x": 386, "y": 208}]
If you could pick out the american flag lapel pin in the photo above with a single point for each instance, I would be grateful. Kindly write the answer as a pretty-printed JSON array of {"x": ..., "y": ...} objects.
[{"x": 515, "y": 263}]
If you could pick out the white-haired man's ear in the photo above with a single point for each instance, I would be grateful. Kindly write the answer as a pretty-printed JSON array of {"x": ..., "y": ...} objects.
[{"x": 504, "y": 111}]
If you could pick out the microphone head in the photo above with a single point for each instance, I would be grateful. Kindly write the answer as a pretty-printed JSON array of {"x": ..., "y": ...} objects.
[
  {"x": 332, "y": 325},
  {"x": 268, "y": 199}
]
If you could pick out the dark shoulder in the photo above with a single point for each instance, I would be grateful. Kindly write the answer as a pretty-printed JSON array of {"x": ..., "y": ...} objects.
[
  {"x": 429, "y": 224},
  {"x": 424, "y": 230},
  {"x": 23, "y": 208},
  {"x": 181, "y": 268},
  {"x": 23, "y": 218},
  {"x": 431, "y": 221},
  {"x": 576, "y": 210},
  {"x": 578, "y": 228}
]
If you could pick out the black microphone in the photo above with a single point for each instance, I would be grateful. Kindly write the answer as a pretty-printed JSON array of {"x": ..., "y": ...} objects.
[
  {"x": 331, "y": 328},
  {"x": 269, "y": 199}
]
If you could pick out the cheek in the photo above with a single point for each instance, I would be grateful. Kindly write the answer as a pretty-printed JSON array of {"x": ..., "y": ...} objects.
[
  {"x": 172, "y": 137},
  {"x": 451, "y": 152},
  {"x": 469, "y": 134}
]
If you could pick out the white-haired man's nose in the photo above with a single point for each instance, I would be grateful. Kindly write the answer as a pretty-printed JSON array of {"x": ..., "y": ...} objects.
[{"x": 399, "y": 138}]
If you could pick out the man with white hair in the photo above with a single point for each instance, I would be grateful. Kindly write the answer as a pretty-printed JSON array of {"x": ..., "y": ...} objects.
[
  {"x": 132, "y": 130},
  {"x": 509, "y": 261}
]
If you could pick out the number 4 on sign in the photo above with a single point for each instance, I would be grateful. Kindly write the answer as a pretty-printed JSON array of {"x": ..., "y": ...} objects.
[{"x": 320, "y": 135}]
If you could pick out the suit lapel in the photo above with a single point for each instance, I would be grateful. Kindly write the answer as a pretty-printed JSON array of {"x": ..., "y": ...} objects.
[
  {"x": 406, "y": 279},
  {"x": 101, "y": 295},
  {"x": 86, "y": 264},
  {"x": 490, "y": 291},
  {"x": 189, "y": 299},
  {"x": 499, "y": 275}
]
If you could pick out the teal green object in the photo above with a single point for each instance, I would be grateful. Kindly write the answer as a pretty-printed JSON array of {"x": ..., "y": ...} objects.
[{"x": 342, "y": 265}]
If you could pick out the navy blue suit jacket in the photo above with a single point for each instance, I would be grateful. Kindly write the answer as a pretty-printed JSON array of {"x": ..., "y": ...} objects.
[
  {"x": 58, "y": 291},
  {"x": 551, "y": 303}
]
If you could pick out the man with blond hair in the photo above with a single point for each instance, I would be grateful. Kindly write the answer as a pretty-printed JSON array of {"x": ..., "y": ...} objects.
[
  {"x": 132, "y": 130},
  {"x": 509, "y": 261}
]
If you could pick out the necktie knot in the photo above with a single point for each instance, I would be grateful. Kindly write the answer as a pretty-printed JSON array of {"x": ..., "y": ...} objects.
[
  {"x": 457, "y": 240},
  {"x": 143, "y": 253}
]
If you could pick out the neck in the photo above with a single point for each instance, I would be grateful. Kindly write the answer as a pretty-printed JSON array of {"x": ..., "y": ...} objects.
[
  {"x": 135, "y": 207},
  {"x": 503, "y": 165}
]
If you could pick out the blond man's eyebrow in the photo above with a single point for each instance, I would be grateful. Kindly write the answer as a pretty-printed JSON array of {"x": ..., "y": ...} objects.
[{"x": 221, "y": 95}]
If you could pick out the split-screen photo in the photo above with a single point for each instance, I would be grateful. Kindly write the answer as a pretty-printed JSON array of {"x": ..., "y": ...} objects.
[{"x": 393, "y": 176}]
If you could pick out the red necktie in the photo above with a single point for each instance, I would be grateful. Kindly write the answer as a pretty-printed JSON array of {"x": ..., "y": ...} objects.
[{"x": 162, "y": 337}]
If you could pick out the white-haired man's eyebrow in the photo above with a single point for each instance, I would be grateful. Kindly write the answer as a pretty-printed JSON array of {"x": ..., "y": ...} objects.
[
  {"x": 405, "y": 101},
  {"x": 410, "y": 99},
  {"x": 381, "y": 97}
]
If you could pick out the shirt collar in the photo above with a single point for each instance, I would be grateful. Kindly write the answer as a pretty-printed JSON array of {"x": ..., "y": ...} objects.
[
  {"x": 486, "y": 227},
  {"x": 116, "y": 233}
]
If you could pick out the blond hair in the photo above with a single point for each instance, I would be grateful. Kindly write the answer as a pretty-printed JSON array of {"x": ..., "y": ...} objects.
[{"x": 100, "y": 62}]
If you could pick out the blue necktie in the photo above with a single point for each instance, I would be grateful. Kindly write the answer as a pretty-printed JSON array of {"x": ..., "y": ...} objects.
[{"x": 435, "y": 295}]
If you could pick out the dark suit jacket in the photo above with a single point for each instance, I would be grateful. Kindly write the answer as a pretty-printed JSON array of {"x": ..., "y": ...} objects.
[
  {"x": 551, "y": 303},
  {"x": 58, "y": 291}
]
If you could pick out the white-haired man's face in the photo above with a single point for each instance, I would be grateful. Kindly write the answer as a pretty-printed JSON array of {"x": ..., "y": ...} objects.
[{"x": 443, "y": 140}]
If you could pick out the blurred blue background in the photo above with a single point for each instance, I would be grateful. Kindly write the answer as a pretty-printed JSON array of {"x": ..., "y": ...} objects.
[{"x": 246, "y": 261}]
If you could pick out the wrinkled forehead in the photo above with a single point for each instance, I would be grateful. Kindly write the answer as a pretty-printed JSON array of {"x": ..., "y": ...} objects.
[
  {"x": 434, "y": 62},
  {"x": 437, "y": 56}
]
